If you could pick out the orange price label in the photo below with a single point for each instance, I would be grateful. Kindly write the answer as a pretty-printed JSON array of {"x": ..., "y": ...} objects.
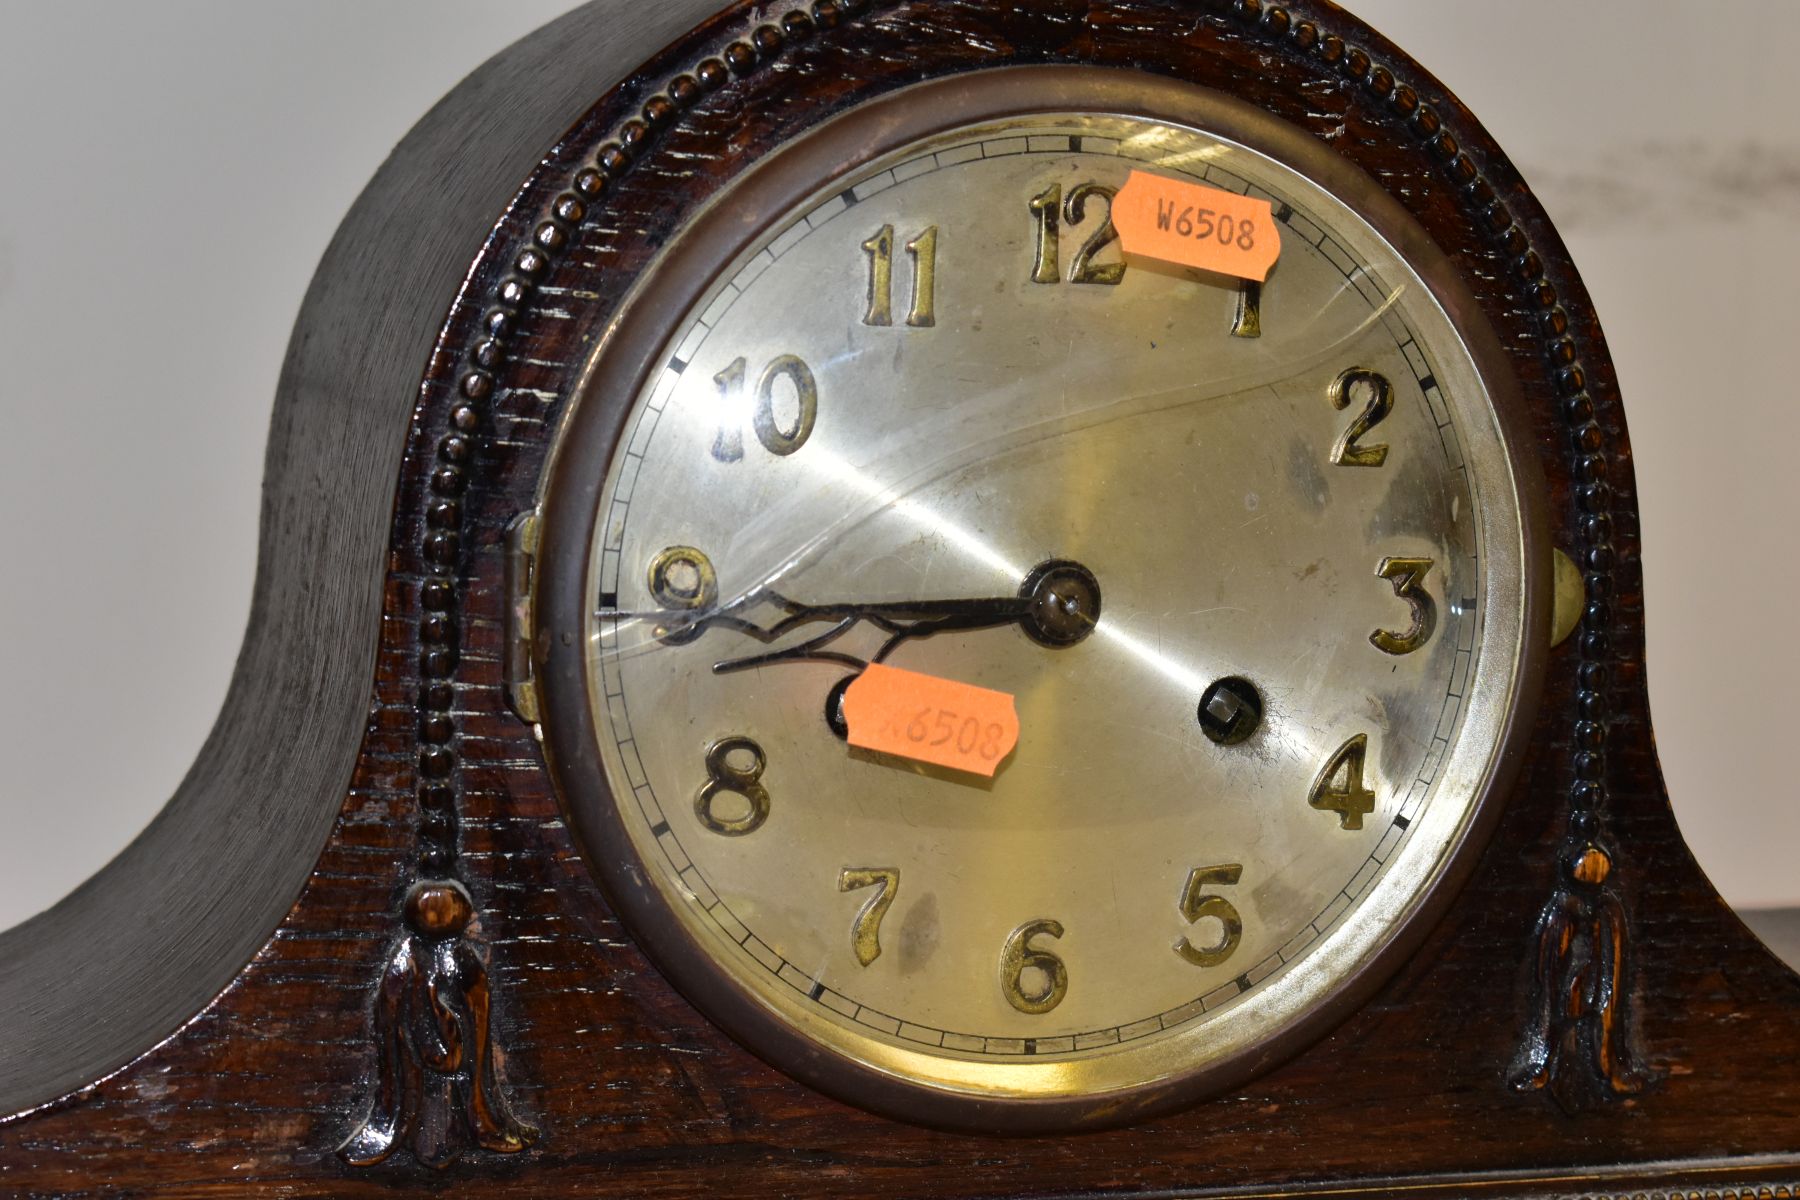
[
  {"x": 1194, "y": 226},
  {"x": 922, "y": 717}
]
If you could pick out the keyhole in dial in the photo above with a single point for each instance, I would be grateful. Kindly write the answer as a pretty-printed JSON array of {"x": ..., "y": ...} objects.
[{"x": 1230, "y": 710}]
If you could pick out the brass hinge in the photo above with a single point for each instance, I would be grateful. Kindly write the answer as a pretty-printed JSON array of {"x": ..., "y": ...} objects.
[{"x": 521, "y": 629}]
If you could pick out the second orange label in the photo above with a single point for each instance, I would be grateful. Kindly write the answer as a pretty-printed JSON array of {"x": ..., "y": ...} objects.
[{"x": 929, "y": 719}]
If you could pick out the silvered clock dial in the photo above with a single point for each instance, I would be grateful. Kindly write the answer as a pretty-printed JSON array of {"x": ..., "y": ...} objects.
[{"x": 1257, "y": 562}]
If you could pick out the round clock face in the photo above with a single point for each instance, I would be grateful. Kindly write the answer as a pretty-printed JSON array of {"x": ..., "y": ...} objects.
[{"x": 1251, "y": 561}]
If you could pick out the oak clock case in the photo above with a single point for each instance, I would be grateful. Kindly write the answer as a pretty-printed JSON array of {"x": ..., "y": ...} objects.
[
  {"x": 1026, "y": 424},
  {"x": 387, "y": 940}
]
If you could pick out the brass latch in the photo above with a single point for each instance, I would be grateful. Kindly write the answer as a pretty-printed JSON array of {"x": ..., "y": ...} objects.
[{"x": 1568, "y": 597}]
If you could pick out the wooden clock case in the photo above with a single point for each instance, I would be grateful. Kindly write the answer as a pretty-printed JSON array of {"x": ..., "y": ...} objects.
[{"x": 243, "y": 1001}]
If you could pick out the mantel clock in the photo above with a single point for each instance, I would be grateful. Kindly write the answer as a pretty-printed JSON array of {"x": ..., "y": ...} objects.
[{"x": 928, "y": 598}]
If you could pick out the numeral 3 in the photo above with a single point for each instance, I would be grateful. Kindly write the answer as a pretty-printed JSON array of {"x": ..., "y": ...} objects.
[{"x": 1408, "y": 577}]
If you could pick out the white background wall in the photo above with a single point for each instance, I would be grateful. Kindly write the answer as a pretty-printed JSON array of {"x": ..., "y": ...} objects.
[{"x": 170, "y": 172}]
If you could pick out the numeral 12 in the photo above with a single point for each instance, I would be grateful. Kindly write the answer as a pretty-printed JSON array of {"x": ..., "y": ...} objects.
[{"x": 1049, "y": 209}]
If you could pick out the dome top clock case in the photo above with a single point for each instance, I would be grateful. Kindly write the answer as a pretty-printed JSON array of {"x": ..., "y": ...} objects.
[{"x": 964, "y": 599}]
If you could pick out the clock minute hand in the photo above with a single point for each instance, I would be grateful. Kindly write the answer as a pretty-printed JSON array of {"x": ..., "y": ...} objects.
[
  {"x": 903, "y": 620},
  {"x": 1057, "y": 605}
]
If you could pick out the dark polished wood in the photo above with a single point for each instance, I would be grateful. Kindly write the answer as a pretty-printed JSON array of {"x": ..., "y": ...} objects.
[{"x": 311, "y": 785}]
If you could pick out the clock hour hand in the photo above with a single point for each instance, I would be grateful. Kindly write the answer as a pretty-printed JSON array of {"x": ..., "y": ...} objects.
[{"x": 1058, "y": 604}]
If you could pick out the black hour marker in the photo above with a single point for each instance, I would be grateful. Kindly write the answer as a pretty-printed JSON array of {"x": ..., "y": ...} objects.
[
  {"x": 1283, "y": 213},
  {"x": 848, "y": 197},
  {"x": 609, "y": 600},
  {"x": 658, "y": 829},
  {"x": 1401, "y": 822},
  {"x": 818, "y": 989},
  {"x": 1427, "y": 383},
  {"x": 1075, "y": 143},
  {"x": 1243, "y": 982},
  {"x": 677, "y": 365},
  {"x": 1031, "y": 1045}
]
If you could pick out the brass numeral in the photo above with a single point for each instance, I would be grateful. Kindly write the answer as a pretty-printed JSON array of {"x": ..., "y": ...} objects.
[
  {"x": 1346, "y": 453},
  {"x": 723, "y": 777},
  {"x": 923, "y": 250},
  {"x": 865, "y": 929},
  {"x": 1083, "y": 269},
  {"x": 682, "y": 577},
  {"x": 774, "y": 438},
  {"x": 1350, "y": 800},
  {"x": 728, "y": 446},
  {"x": 1248, "y": 321},
  {"x": 1408, "y": 577},
  {"x": 1018, "y": 956},
  {"x": 880, "y": 250},
  {"x": 1046, "y": 209},
  {"x": 1195, "y": 905},
  {"x": 1050, "y": 206}
]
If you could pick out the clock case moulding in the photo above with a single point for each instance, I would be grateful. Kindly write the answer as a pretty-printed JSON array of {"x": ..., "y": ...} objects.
[{"x": 243, "y": 998}]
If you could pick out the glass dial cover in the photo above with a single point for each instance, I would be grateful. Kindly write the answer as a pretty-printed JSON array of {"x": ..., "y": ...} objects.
[{"x": 1256, "y": 562}]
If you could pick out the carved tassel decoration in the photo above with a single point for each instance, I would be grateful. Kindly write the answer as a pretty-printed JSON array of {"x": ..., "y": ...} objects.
[
  {"x": 436, "y": 1086},
  {"x": 1575, "y": 1040}
]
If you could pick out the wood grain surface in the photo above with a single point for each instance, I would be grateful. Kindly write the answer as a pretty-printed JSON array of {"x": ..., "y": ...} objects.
[{"x": 634, "y": 1092}]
